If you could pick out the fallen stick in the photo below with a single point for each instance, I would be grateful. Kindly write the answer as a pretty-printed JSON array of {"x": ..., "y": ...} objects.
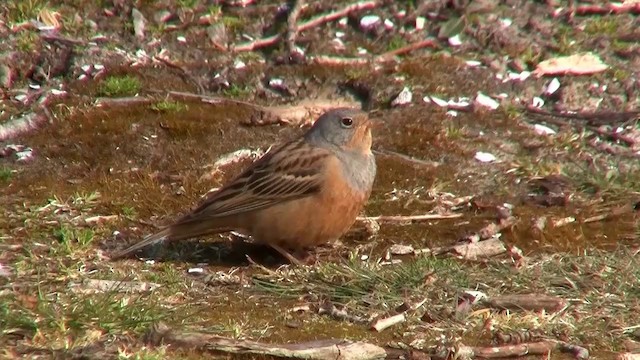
[
  {"x": 292, "y": 26},
  {"x": 614, "y": 213},
  {"x": 633, "y": 8},
  {"x": 628, "y": 356},
  {"x": 377, "y": 59},
  {"x": 404, "y": 218},
  {"x": 405, "y": 157},
  {"x": 21, "y": 125},
  {"x": 525, "y": 349},
  {"x": 340, "y": 61},
  {"x": 271, "y": 40},
  {"x": 123, "y": 101},
  {"x": 408, "y": 48},
  {"x": 302, "y": 113},
  {"x": 527, "y": 302},
  {"x": 331, "y": 349},
  {"x": 594, "y": 118},
  {"x": 384, "y": 323}
]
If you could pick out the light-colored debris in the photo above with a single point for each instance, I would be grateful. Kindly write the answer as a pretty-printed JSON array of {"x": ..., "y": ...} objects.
[
  {"x": 5, "y": 271},
  {"x": 369, "y": 22},
  {"x": 485, "y": 157},
  {"x": 537, "y": 102},
  {"x": 229, "y": 159},
  {"x": 408, "y": 218},
  {"x": 239, "y": 64},
  {"x": 404, "y": 97},
  {"x": 480, "y": 249},
  {"x": 552, "y": 86},
  {"x": 578, "y": 64},
  {"x": 385, "y": 323},
  {"x": 506, "y": 22},
  {"x": 100, "y": 219},
  {"x": 301, "y": 308},
  {"x": 328, "y": 308},
  {"x": 24, "y": 155},
  {"x": 92, "y": 286},
  {"x": 486, "y": 101},
  {"x": 338, "y": 44},
  {"x": 400, "y": 249},
  {"x": 455, "y": 40},
  {"x": 225, "y": 278},
  {"x": 563, "y": 222},
  {"x": 139, "y": 23},
  {"x": 543, "y": 130},
  {"x": 514, "y": 76}
]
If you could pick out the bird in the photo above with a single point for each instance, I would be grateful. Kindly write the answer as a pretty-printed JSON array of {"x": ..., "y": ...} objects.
[{"x": 303, "y": 193}]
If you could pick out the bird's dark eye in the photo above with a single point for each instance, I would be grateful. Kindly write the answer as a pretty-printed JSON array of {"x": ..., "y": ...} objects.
[{"x": 346, "y": 122}]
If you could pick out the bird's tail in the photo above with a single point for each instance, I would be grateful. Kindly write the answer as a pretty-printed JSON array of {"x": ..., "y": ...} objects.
[
  {"x": 184, "y": 229},
  {"x": 157, "y": 238}
]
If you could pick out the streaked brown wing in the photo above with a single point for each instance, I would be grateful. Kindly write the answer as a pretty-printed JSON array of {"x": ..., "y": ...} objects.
[{"x": 293, "y": 171}]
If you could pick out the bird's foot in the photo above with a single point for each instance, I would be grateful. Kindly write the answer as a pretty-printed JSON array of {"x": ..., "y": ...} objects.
[{"x": 305, "y": 258}]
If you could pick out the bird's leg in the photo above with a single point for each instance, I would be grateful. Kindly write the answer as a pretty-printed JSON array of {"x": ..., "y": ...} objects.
[{"x": 286, "y": 254}]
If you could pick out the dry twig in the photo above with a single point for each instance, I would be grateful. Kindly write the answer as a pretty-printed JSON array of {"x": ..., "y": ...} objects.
[
  {"x": 292, "y": 26},
  {"x": 272, "y": 40},
  {"x": 384, "y": 323},
  {"x": 610, "y": 8},
  {"x": 530, "y": 302},
  {"x": 407, "y": 218},
  {"x": 320, "y": 350},
  {"x": 377, "y": 59}
]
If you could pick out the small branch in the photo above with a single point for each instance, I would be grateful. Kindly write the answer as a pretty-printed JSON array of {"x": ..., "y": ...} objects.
[
  {"x": 366, "y": 5},
  {"x": 407, "y": 49},
  {"x": 527, "y": 302},
  {"x": 594, "y": 118},
  {"x": 384, "y": 323},
  {"x": 292, "y": 26},
  {"x": 340, "y": 61},
  {"x": 271, "y": 40},
  {"x": 614, "y": 213},
  {"x": 405, "y": 218},
  {"x": 329, "y": 349},
  {"x": 293, "y": 114},
  {"x": 607, "y": 9},
  {"x": 405, "y": 157},
  {"x": 48, "y": 37},
  {"x": 212, "y": 99},
  {"x": 21, "y": 125},
  {"x": 378, "y": 59},
  {"x": 124, "y": 101},
  {"x": 525, "y": 349}
]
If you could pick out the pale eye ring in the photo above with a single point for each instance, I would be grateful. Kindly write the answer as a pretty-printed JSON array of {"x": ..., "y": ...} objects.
[{"x": 346, "y": 122}]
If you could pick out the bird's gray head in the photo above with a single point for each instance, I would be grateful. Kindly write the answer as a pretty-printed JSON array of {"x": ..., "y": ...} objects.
[{"x": 349, "y": 129}]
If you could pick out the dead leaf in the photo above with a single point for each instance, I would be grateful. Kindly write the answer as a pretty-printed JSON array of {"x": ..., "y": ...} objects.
[{"x": 578, "y": 64}]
